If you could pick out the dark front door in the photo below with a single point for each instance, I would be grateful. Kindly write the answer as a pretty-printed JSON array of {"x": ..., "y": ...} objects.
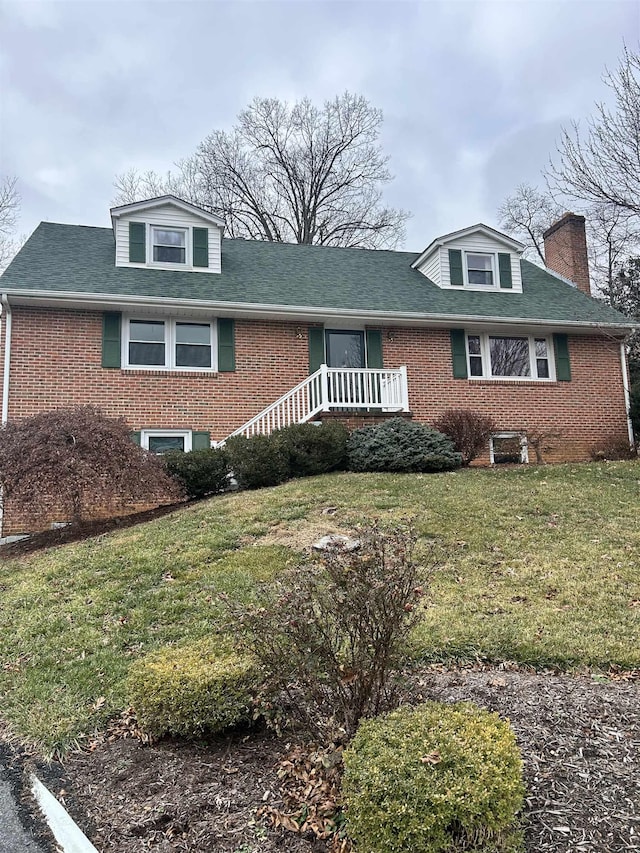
[{"x": 345, "y": 349}]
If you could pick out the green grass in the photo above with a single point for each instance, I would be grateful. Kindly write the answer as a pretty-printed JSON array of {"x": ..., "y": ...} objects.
[{"x": 541, "y": 568}]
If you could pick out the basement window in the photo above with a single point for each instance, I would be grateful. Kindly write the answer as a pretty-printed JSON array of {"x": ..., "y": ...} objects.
[
  {"x": 508, "y": 448},
  {"x": 164, "y": 441}
]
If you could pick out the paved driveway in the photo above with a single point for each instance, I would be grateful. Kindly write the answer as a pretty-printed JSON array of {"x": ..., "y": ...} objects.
[{"x": 14, "y": 837}]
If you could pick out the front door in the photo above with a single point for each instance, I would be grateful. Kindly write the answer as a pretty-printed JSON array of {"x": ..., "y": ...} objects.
[{"x": 345, "y": 349}]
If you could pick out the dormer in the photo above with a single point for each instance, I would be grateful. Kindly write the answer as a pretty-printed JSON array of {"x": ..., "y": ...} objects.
[
  {"x": 476, "y": 258},
  {"x": 169, "y": 234}
]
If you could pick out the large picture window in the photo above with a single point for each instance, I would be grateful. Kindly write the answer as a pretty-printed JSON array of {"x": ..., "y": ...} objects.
[
  {"x": 509, "y": 357},
  {"x": 168, "y": 344}
]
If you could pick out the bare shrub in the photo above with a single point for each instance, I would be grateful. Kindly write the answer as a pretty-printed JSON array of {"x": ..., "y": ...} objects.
[
  {"x": 76, "y": 461},
  {"x": 331, "y": 633},
  {"x": 613, "y": 449},
  {"x": 468, "y": 431},
  {"x": 542, "y": 442}
]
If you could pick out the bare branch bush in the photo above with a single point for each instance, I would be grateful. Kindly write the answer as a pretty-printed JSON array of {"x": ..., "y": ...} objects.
[
  {"x": 468, "y": 431},
  {"x": 289, "y": 173},
  {"x": 541, "y": 442},
  {"x": 331, "y": 634}
]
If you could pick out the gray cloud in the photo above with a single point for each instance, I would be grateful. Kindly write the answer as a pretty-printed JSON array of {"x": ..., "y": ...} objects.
[{"x": 474, "y": 93}]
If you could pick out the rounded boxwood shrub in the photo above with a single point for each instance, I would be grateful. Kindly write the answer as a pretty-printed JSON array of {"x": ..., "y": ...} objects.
[
  {"x": 200, "y": 472},
  {"x": 403, "y": 446},
  {"x": 257, "y": 461},
  {"x": 191, "y": 690},
  {"x": 312, "y": 449},
  {"x": 431, "y": 779}
]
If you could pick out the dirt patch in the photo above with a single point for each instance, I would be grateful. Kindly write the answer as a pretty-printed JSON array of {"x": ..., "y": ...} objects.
[
  {"x": 580, "y": 741},
  {"x": 301, "y": 536}
]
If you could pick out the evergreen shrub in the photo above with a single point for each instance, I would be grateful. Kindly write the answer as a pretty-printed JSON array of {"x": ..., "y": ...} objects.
[
  {"x": 434, "y": 778},
  {"x": 402, "y": 446},
  {"x": 312, "y": 449},
  {"x": 257, "y": 461},
  {"x": 200, "y": 472},
  {"x": 191, "y": 690}
]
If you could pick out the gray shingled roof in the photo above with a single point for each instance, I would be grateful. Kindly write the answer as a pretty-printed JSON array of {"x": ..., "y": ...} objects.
[{"x": 80, "y": 259}]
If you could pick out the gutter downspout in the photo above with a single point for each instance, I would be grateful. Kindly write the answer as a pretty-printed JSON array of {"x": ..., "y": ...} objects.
[
  {"x": 6, "y": 316},
  {"x": 6, "y": 323},
  {"x": 627, "y": 393}
]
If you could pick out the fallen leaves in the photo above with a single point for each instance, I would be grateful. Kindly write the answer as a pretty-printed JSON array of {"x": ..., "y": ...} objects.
[{"x": 310, "y": 778}]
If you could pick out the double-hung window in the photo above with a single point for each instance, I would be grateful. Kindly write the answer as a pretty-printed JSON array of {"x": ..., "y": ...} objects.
[
  {"x": 509, "y": 357},
  {"x": 169, "y": 344},
  {"x": 169, "y": 245},
  {"x": 480, "y": 269}
]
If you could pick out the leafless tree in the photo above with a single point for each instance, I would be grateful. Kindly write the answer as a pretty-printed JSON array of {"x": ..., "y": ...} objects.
[
  {"x": 612, "y": 236},
  {"x": 289, "y": 173},
  {"x": 9, "y": 211},
  {"x": 602, "y": 166},
  {"x": 612, "y": 233},
  {"x": 526, "y": 215}
]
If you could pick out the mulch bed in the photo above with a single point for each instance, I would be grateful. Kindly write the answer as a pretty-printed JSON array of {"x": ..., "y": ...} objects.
[
  {"x": 580, "y": 741},
  {"x": 83, "y": 530}
]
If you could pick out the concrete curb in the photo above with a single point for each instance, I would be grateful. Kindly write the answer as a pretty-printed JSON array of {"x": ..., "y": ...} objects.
[{"x": 68, "y": 834}]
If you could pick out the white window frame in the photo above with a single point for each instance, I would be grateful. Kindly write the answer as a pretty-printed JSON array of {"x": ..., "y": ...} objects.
[
  {"x": 169, "y": 344},
  {"x": 485, "y": 354},
  {"x": 187, "y": 246},
  {"x": 494, "y": 270},
  {"x": 146, "y": 434},
  {"x": 524, "y": 446}
]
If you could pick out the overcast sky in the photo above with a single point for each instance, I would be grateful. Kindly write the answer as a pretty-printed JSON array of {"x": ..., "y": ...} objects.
[{"x": 474, "y": 93}]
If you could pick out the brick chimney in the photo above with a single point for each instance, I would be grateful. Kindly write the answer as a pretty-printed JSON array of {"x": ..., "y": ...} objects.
[{"x": 565, "y": 250}]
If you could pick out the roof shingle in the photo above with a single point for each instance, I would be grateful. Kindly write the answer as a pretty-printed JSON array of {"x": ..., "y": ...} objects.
[{"x": 80, "y": 259}]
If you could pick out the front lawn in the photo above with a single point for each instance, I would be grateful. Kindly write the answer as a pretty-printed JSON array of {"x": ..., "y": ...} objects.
[{"x": 541, "y": 568}]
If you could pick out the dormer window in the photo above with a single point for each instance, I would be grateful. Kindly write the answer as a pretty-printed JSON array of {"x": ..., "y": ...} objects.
[
  {"x": 476, "y": 258},
  {"x": 169, "y": 245},
  {"x": 480, "y": 269},
  {"x": 167, "y": 233}
]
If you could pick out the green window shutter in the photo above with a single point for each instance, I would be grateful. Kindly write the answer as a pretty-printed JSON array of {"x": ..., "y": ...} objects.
[
  {"x": 200, "y": 440},
  {"x": 504, "y": 268},
  {"x": 316, "y": 347},
  {"x": 455, "y": 267},
  {"x": 563, "y": 365},
  {"x": 136, "y": 438},
  {"x": 226, "y": 345},
  {"x": 459, "y": 353},
  {"x": 374, "y": 348},
  {"x": 137, "y": 243},
  {"x": 201, "y": 247},
  {"x": 111, "y": 323}
]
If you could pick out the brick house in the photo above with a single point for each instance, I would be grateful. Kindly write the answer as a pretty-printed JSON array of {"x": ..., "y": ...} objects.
[{"x": 192, "y": 337}]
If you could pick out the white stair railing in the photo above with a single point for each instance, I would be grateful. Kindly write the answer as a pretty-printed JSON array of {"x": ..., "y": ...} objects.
[{"x": 332, "y": 388}]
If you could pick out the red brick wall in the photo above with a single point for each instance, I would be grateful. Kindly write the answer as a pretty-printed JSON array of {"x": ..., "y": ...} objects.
[
  {"x": 584, "y": 411},
  {"x": 56, "y": 361},
  {"x": 65, "y": 370}
]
